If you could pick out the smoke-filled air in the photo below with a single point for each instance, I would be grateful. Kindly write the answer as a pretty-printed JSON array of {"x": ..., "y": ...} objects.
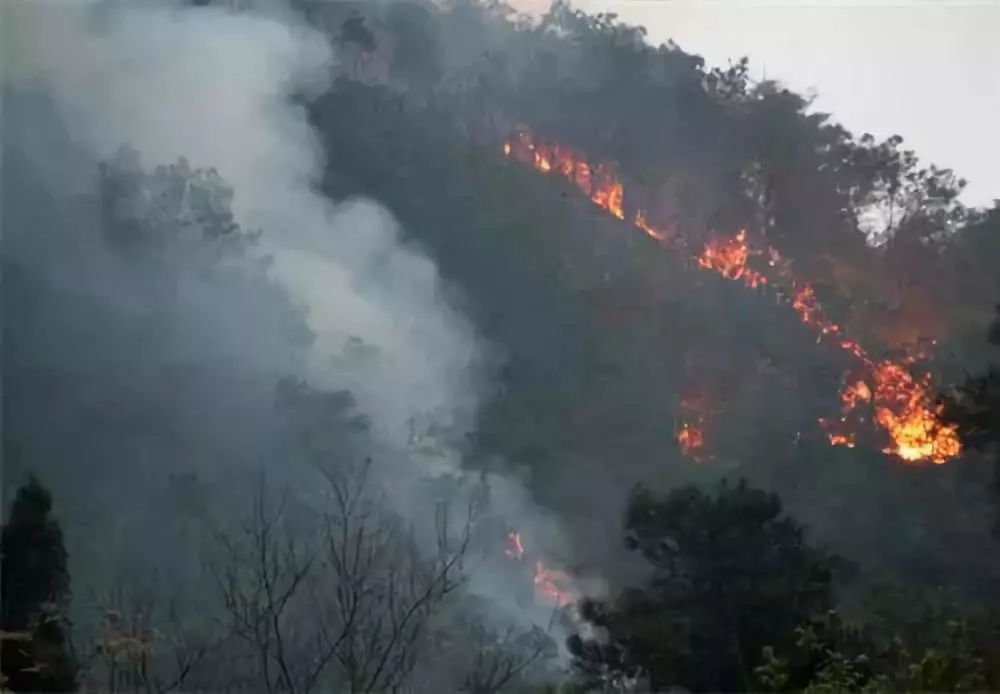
[{"x": 425, "y": 346}]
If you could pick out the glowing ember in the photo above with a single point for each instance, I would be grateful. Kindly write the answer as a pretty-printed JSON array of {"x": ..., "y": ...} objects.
[
  {"x": 514, "y": 548},
  {"x": 553, "y": 587},
  {"x": 854, "y": 393},
  {"x": 902, "y": 404},
  {"x": 651, "y": 231},
  {"x": 806, "y": 305},
  {"x": 691, "y": 440},
  {"x": 837, "y": 439},
  {"x": 695, "y": 412}
]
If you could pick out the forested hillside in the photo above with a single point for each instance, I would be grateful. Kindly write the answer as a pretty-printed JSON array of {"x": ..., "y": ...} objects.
[
  {"x": 422, "y": 346},
  {"x": 607, "y": 332}
]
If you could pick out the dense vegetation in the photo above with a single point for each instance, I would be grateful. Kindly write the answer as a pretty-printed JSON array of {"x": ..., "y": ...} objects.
[{"x": 778, "y": 563}]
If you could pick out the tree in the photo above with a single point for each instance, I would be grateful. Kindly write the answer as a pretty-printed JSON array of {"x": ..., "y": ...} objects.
[
  {"x": 501, "y": 655},
  {"x": 975, "y": 408},
  {"x": 146, "y": 643},
  {"x": 830, "y": 656},
  {"x": 386, "y": 588},
  {"x": 347, "y": 600},
  {"x": 731, "y": 574},
  {"x": 35, "y": 594},
  {"x": 163, "y": 206},
  {"x": 264, "y": 568},
  {"x": 416, "y": 48},
  {"x": 696, "y": 153}
]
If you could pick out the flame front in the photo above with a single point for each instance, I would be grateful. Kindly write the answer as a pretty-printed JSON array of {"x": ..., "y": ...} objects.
[
  {"x": 902, "y": 403},
  {"x": 903, "y": 409},
  {"x": 599, "y": 183},
  {"x": 729, "y": 258}
]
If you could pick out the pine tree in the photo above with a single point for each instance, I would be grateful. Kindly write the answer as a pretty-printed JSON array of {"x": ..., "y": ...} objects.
[{"x": 35, "y": 592}]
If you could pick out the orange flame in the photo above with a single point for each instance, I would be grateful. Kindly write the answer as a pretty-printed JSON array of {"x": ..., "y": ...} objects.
[
  {"x": 695, "y": 412},
  {"x": 646, "y": 228},
  {"x": 599, "y": 183},
  {"x": 692, "y": 440},
  {"x": 729, "y": 258},
  {"x": 903, "y": 405},
  {"x": 899, "y": 403},
  {"x": 552, "y": 587},
  {"x": 903, "y": 408}
]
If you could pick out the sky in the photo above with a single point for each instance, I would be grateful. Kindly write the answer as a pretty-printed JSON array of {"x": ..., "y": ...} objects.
[{"x": 929, "y": 71}]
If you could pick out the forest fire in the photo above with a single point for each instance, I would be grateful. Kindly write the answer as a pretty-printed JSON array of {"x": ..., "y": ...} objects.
[
  {"x": 691, "y": 439},
  {"x": 695, "y": 411},
  {"x": 902, "y": 404},
  {"x": 599, "y": 183},
  {"x": 729, "y": 258},
  {"x": 903, "y": 409},
  {"x": 552, "y": 587},
  {"x": 898, "y": 403}
]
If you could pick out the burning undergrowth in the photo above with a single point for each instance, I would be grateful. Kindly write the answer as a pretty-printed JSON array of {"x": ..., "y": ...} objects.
[{"x": 902, "y": 403}]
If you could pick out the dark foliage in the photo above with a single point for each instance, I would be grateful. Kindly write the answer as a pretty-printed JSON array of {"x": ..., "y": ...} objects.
[
  {"x": 975, "y": 407},
  {"x": 35, "y": 590},
  {"x": 731, "y": 575}
]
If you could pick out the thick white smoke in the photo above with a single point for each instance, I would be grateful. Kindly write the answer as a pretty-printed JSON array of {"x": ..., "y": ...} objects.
[{"x": 213, "y": 86}]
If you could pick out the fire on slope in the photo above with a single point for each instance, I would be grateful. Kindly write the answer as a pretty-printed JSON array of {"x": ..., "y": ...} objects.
[
  {"x": 553, "y": 587},
  {"x": 729, "y": 257},
  {"x": 901, "y": 403},
  {"x": 695, "y": 412}
]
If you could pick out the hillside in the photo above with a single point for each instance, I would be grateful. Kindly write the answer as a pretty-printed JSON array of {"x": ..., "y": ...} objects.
[
  {"x": 607, "y": 333},
  {"x": 419, "y": 346}
]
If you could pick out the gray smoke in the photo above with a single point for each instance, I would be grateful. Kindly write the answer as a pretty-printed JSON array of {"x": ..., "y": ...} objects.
[{"x": 215, "y": 87}]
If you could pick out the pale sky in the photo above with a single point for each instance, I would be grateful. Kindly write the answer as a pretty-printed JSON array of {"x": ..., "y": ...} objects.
[{"x": 929, "y": 71}]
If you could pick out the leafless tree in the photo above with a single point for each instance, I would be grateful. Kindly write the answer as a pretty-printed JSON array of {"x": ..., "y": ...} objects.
[
  {"x": 346, "y": 605},
  {"x": 501, "y": 656},
  {"x": 260, "y": 576},
  {"x": 386, "y": 587},
  {"x": 142, "y": 646}
]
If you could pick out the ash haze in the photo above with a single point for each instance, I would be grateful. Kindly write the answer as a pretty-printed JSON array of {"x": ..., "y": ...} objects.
[
  {"x": 923, "y": 70},
  {"x": 416, "y": 346}
]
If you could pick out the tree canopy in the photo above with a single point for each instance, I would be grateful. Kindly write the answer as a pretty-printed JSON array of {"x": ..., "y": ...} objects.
[
  {"x": 36, "y": 592},
  {"x": 731, "y": 574}
]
